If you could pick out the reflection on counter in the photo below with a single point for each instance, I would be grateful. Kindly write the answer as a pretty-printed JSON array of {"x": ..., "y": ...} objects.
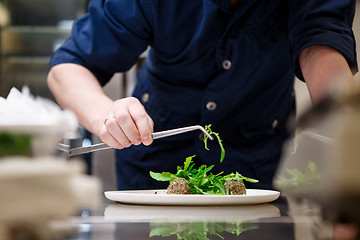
[
  {"x": 127, "y": 221},
  {"x": 123, "y": 212},
  {"x": 296, "y": 219},
  {"x": 199, "y": 230},
  {"x": 193, "y": 222}
]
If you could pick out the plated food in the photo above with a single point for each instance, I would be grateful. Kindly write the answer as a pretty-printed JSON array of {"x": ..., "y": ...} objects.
[
  {"x": 191, "y": 180},
  {"x": 193, "y": 186}
]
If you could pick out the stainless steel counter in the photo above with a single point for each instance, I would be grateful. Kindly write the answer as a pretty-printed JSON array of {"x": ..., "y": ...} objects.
[{"x": 265, "y": 221}]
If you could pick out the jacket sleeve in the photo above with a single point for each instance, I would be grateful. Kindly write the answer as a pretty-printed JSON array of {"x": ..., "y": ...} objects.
[
  {"x": 324, "y": 23},
  {"x": 108, "y": 39}
]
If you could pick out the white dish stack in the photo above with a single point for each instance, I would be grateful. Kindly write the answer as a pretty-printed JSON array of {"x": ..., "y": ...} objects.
[{"x": 38, "y": 187}]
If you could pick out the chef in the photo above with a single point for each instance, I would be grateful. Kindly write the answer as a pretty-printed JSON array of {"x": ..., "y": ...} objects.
[{"x": 228, "y": 63}]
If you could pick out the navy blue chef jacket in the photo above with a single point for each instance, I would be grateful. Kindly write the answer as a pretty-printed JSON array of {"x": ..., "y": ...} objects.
[{"x": 208, "y": 64}]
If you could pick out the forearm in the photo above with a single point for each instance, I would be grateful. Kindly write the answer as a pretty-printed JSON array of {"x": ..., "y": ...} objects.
[
  {"x": 322, "y": 68},
  {"x": 75, "y": 88}
]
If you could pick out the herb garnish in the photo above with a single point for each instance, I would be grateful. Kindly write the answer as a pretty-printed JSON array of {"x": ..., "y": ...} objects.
[
  {"x": 201, "y": 180},
  {"x": 208, "y": 129}
]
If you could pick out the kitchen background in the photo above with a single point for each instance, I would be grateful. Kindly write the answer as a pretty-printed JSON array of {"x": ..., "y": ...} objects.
[{"x": 29, "y": 33}]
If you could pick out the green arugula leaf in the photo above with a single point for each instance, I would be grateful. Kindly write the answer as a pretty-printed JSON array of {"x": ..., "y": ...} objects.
[
  {"x": 187, "y": 162},
  {"x": 238, "y": 177},
  {"x": 165, "y": 176},
  {"x": 208, "y": 129}
]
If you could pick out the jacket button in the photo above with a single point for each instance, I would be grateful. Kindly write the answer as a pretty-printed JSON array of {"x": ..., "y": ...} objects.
[
  {"x": 275, "y": 123},
  {"x": 145, "y": 98},
  {"x": 226, "y": 64},
  {"x": 211, "y": 106}
]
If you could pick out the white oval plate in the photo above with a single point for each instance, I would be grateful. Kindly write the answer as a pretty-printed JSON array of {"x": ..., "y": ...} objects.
[{"x": 159, "y": 197}]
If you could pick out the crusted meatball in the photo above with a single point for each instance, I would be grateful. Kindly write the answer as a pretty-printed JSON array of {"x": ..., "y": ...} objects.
[
  {"x": 235, "y": 187},
  {"x": 178, "y": 186}
]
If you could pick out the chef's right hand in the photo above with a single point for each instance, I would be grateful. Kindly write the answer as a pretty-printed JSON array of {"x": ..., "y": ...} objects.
[{"x": 125, "y": 124}]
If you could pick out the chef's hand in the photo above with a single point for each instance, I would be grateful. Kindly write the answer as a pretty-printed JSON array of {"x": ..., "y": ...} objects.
[{"x": 125, "y": 124}]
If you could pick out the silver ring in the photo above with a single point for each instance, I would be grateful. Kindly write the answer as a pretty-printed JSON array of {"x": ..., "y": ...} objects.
[{"x": 107, "y": 118}]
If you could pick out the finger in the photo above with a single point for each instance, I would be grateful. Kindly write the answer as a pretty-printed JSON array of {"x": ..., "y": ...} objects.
[
  {"x": 144, "y": 124},
  {"x": 116, "y": 132},
  {"x": 108, "y": 139},
  {"x": 131, "y": 118},
  {"x": 127, "y": 126},
  {"x": 151, "y": 124}
]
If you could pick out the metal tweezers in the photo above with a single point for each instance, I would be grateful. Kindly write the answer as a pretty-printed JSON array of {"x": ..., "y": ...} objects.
[{"x": 102, "y": 146}]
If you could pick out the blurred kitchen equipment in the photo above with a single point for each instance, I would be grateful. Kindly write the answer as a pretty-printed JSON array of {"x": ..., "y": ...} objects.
[
  {"x": 156, "y": 135},
  {"x": 37, "y": 187},
  {"x": 23, "y": 115},
  {"x": 322, "y": 161},
  {"x": 35, "y": 191},
  {"x": 4, "y": 15},
  {"x": 32, "y": 30}
]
